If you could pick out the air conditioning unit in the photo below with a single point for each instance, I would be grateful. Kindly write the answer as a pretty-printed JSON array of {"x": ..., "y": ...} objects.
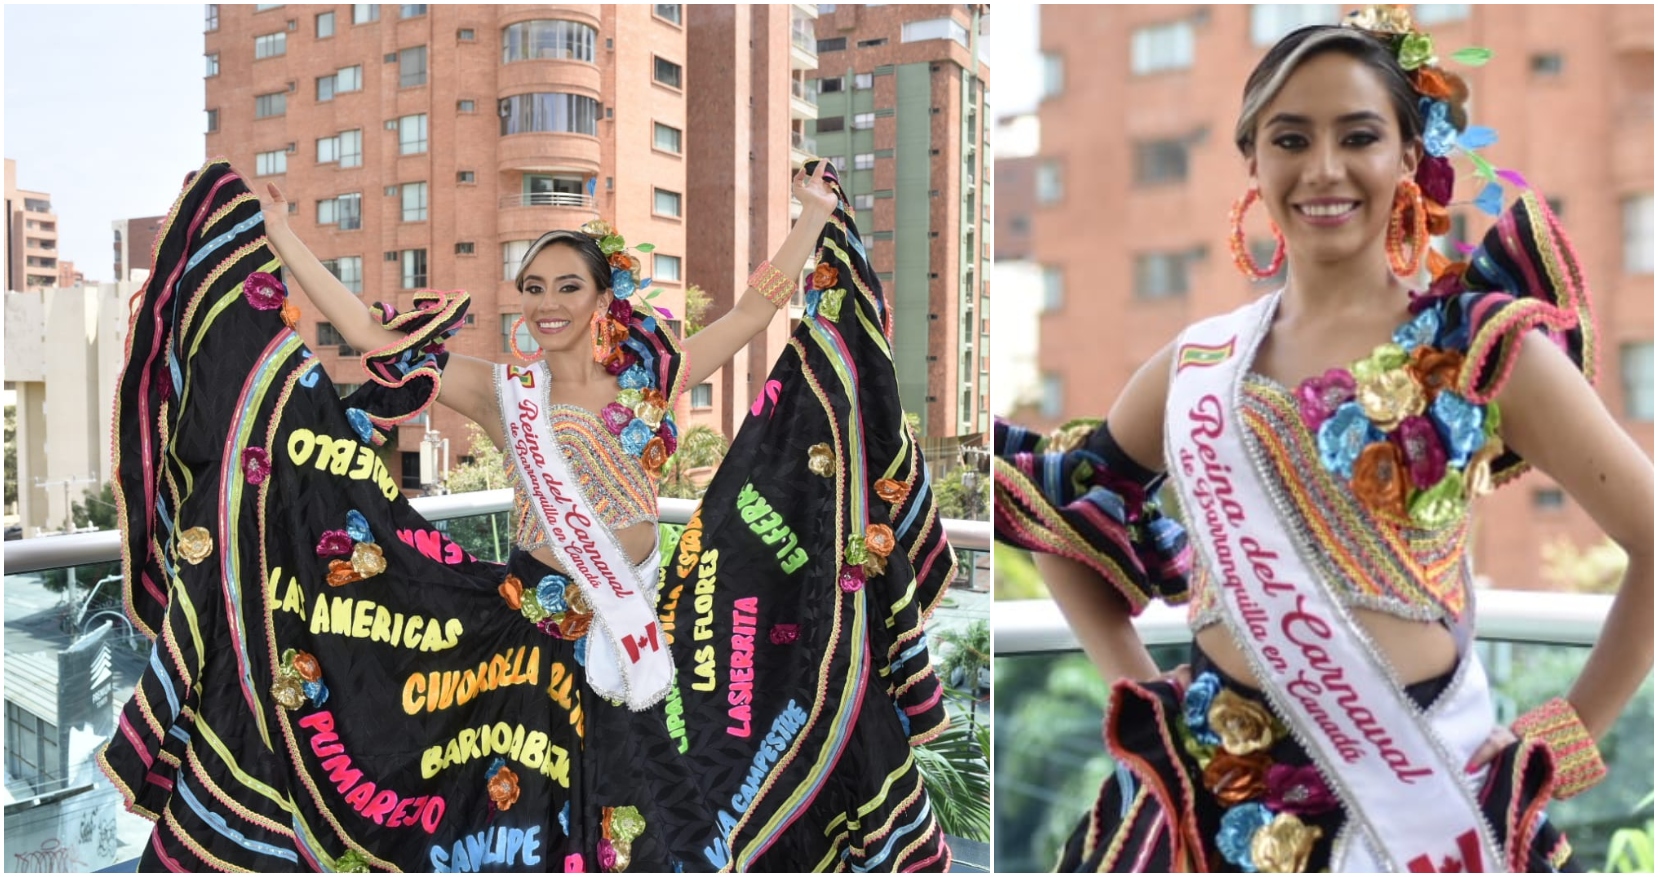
[
  {"x": 293, "y": 148},
  {"x": 292, "y": 86},
  {"x": 293, "y": 24}
]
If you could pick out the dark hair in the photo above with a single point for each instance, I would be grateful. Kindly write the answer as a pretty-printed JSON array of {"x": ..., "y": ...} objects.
[
  {"x": 1303, "y": 43},
  {"x": 597, "y": 264}
]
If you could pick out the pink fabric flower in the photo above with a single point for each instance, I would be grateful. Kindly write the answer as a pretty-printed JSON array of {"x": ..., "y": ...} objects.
[
  {"x": 616, "y": 417},
  {"x": 264, "y": 291},
  {"x": 621, "y": 310},
  {"x": 607, "y": 854},
  {"x": 256, "y": 465},
  {"x": 669, "y": 440},
  {"x": 1318, "y": 398},
  {"x": 333, "y": 543},
  {"x": 852, "y": 579},
  {"x": 624, "y": 360},
  {"x": 1297, "y": 790},
  {"x": 549, "y": 626},
  {"x": 783, "y": 634},
  {"x": 1424, "y": 453}
]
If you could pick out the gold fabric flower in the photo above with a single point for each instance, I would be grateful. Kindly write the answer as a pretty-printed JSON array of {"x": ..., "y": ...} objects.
[
  {"x": 577, "y": 598},
  {"x": 821, "y": 460},
  {"x": 1386, "y": 18},
  {"x": 1243, "y": 725},
  {"x": 1478, "y": 480},
  {"x": 367, "y": 559},
  {"x": 1282, "y": 847},
  {"x": 195, "y": 544},
  {"x": 597, "y": 228},
  {"x": 288, "y": 691},
  {"x": 651, "y": 414},
  {"x": 874, "y": 565},
  {"x": 1389, "y": 397},
  {"x": 1068, "y": 438}
]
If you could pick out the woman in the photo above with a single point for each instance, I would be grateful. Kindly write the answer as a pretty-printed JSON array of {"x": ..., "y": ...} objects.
[
  {"x": 338, "y": 686},
  {"x": 1334, "y": 715}
]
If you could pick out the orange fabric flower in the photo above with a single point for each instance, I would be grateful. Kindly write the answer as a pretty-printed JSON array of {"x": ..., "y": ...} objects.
[
  {"x": 653, "y": 396},
  {"x": 503, "y": 788},
  {"x": 654, "y": 456},
  {"x": 623, "y": 261},
  {"x": 1439, "y": 219},
  {"x": 890, "y": 491},
  {"x": 290, "y": 313},
  {"x": 1431, "y": 82},
  {"x": 1437, "y": 263},
  {"x": 878, "y": 539},
  {"x": 307, "y": 665},
  {"x": 1380, "y": 480},
  {"x": 341, "y": 573},
  {"x": 1436, "y": 370},
  {"x": 575, "y": 625},
  {"x": 512, "y": 590},
  {"x": 1237, "y": 778},
  {"x": 825, "y": 276}
]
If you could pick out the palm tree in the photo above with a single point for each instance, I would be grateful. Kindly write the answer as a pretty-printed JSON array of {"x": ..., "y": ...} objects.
[{"x": 699, "y": 448}]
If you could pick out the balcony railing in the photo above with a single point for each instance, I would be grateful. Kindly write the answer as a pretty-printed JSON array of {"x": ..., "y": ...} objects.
[
  {"x": 547, "y": 199},
  {"x": 804, "y": 90},
  {"x": 803, "y": 142},
  {"x": 803, "y": 33}
]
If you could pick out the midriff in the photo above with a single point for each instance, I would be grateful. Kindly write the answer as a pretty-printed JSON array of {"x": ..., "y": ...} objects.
[
  {"x": 637, "y": 541},
  {"x": 1417, "y": 650}
]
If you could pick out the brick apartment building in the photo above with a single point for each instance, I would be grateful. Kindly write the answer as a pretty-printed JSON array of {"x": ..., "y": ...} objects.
[
  {"x": 134, "y": 246},
  {"x": 1137, "y": 170},
  {"x": 425, "y": 146},
  {"x": 902, "y": 109}
]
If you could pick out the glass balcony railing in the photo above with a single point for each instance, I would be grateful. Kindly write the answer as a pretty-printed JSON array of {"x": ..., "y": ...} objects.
[
  {"x": 803, "y": 34},
  {"x": 72, "y": 659},
  {"x": 1049, "y": 759},
  {"x": 803, "y": 142},
  {"x": 804, "y": 90}
]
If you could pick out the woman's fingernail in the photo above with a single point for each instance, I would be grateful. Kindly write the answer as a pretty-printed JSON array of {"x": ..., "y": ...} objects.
[{"x": 1472, "y": 768}]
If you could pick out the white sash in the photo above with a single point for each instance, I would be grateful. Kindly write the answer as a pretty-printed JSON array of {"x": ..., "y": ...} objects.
[
  {"x": 628, "y": 660},
  {"x": 1398, "y": 771}
]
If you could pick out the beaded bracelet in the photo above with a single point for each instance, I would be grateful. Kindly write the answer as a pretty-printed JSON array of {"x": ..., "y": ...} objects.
[
  {"x": 773, "y": 284},
  {"x": 1577, "y": 762}
]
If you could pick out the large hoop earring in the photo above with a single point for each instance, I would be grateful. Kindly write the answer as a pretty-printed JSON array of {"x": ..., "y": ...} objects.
[
  {"x": 1240, "y": 247},
  {"x": 512, "y": 341},
  {"x": 1408, "y": 208},
  {"x": 598, "y": 329}
]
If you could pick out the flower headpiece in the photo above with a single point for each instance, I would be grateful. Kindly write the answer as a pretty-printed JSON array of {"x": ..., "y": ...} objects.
[{"x": 624, "y": 266}]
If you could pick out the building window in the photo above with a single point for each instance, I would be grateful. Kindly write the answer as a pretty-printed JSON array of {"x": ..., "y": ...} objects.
[
  {"x": 834, "y": 44},
  {"x": 526, "y": 342},
  {"x": 267, "y": 105},
  {"x": 1161, "y": 275},
  {"x": 1547, "y": 499},
  {"x": 547, "y": 39},
  {"x": 666, "y": 203},
  {"x": 273, "y": 162},
  {"x": 411, "y": 10},
  {"x": 410, "y": 477},
  {"x": 212, "y": 17},
  {"x": 351, "y": 148},
  {"x": 512, "y": 257},
  {"x": 270, "y": 45},
  {"x": 1159, "y": 161},
  {"x": 1637, "y": 234},
  {"x": 325, "y": 25},
  {"x": 414, "y": 202},
  {"x": 414, "y": 269},
  {"x": 1053, "y": 395},
  {"x": 346, "y": 211},
  {"x": 328, "y": 336},
  {"x": 1162, "y": 47},
  {"x": 931, "y": 29},
  {"x": 863, "y": 202},
  {"x": 668, "y": 12},
  {"x": 212, "y": 121},
  {"x": 466, "y": 177},
  {"x": 702, "y": 396},
  {"x": 411, "y": 134},
  {"x": 829, "y": 125},
  {"x": 878, "y": 41},
  {"x": 363, "y": 13},
  {"x": 213, "y": 64},
  {"x": 349, "y": 270},
  {"x": 325, "y": 88},
  {"x": 667, "y": 138},
  {"x": 863, "y": 81},
  {"x": 667, "y": 72},
  {"x": 1635, "y": 364},
  {"x": 1053, "y": 288},
  {"x": 665, "y": 267},
  {"x": 830, "y": 84},
  {"x": 348, "y": 79},
  {"x": 465, "y": 248},
  {"x": 1049, "y": 183},
  {"x": 863, "y": 161},
  {"x": 1547, "y": 64},
  {"x": 1270, "y": 21},
  {"x": 466, "y": 106},
  {"x": 1053, "y": 74},
  {"x": 1439, "y": 13},
  {"x": 863, "y": 121},
  {"x": 411, "y": 67},
  {"x": 556, "y": 113}
]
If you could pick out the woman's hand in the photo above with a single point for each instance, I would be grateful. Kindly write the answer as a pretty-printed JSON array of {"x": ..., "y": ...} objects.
[
  {"x": 1501, "y": 738},
  {"x": 274, "y": 206},
  {"x": 813, "y": 192}
]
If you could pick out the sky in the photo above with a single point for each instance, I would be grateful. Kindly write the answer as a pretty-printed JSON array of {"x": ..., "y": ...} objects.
[
  {"x": 103, "y": 111},
  {"x": 1015, "y": 66}
]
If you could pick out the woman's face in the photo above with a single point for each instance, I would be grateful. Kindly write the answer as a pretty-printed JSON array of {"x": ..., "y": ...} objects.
[
  {"x": 560, "y": 297},
  {"x": 1329, "y": 156}
]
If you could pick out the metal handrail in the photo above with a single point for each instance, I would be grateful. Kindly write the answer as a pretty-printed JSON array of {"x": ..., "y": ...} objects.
[
  {"x": 1036, "y": 626},
  {"x": 53, "y": 552},
  {"x": 547, "y": 199}
]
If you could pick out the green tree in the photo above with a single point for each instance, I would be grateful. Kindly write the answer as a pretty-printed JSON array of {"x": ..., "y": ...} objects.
[
  {"x": 963, "y": 493},
  {"x": 11, "y": 455},
  {"x": 697, "y": 303},
  {"x": 488, "y": 537},
  {"x": 1597, "y": 569},
  {"x": 699, "y": 448}
]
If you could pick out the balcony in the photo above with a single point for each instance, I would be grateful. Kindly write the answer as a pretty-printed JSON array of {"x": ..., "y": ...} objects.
[
  {"x": 56, "y": 796},
  {"x": 529, "y": 215},
  {"x": 802, "y": 43},
  {"x": 802, "y": 99},
  {"x": 549, "y": 151},
  {"x": 802, "y": 147},
  {"x": 1049, "y": 760}
]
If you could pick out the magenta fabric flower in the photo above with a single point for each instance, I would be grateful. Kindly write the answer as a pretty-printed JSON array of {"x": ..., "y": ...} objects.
[
  {"x": 1318, "y": 398},
  {"x": 607, "y": 854},
  {"x": 549, "y": 626},
  {"x": 665, "y": 432},
  {"x": 1299, "y": 791},
  {"x": 264, "y": 291},
  {"x": 256, "y": 465},
  {"x": 621, "y": 362},
  {"x": 333, "y": 543},
  {"x": 783, "y": 634},
  {"x": 616, "y": 417},
  {"x": 1424, "y": 453},
  {"x": 621, "y": 310},
  {"x": 1436, "y": 177},
  {"x": 852, "y": 579}
]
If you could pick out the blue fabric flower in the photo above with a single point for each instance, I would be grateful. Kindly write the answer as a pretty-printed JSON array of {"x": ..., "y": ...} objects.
[
  {"x": 903, "y": 719},
  {"x": 317, "y": 691},
  {"x": 581, "y": 651},
  {"x": 621, "y": 282},
  {"x": 564, "y": 818},
  {"x": 1198, "y": 698},
  {"x": 360, "y": 423},
  {"x": 1460, "y": 423},
  {"x": 813, "y": 296},
  {"x": 357, "y": 526},
  {"x": 1419, "y": 331},
  {"x": 1439, "y": 136},
  {"x": 635, "y": 378},
  {"x": 550, "y": 593},
  {"x": 1237, "y": 831},
  {"x": 1343, "y": 437},
  {"x": 495, "y": 766},
  {"x": 649, "y": 324},
  {"x": 635, "y": 436}
]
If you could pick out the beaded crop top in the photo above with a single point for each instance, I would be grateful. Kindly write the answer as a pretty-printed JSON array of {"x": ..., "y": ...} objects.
[{"x": 614, "y": 481}]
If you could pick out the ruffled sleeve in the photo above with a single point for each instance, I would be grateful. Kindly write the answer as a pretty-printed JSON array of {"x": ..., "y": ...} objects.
[
  {"x": 1072, "y": 502},
  {"x": 404, "y": 376}
]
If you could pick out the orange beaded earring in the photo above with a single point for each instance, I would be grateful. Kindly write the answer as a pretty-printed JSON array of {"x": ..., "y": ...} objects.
[
  {"x": 512, "y": 341},
  {"x": 1408, "y": 208},
  {"x": 1240, "y": 248}
]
